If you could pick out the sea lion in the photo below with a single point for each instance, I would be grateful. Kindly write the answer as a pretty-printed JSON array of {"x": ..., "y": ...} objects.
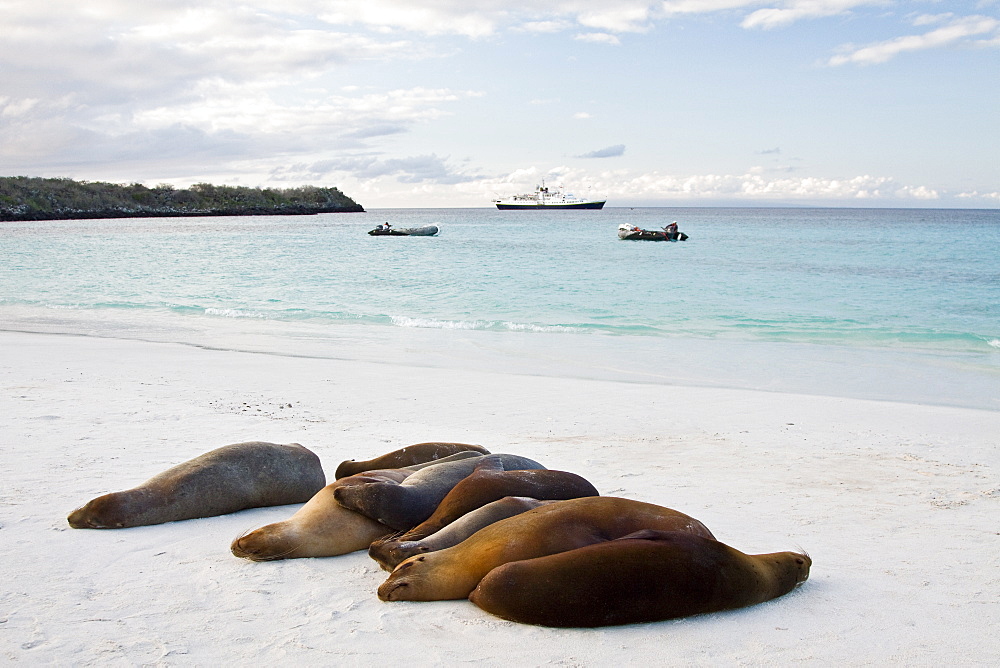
[
  {"x": 454, "y": 572},
  {"x": 392, "y": 549},
  {"x": 411, "y": 454},
  {"x": 224, "y": 480},
  {"x": 322, "y": 527},
  {"x": 404, "y": 505},
  {"x": 647, "y": 576},
  {"x": 490, "y": 482}
]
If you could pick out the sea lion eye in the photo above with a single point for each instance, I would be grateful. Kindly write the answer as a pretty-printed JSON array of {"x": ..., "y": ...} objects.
[{"x": 800, "y": 561}]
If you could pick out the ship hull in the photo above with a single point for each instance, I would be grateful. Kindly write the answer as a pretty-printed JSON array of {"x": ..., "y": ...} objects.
[{"x": 545, "y": 207}]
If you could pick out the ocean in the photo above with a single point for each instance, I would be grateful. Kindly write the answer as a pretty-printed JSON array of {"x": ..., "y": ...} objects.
[{"x": 890, "y": 304}]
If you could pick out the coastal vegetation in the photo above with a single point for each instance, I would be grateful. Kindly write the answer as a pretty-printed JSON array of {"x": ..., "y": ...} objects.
[{"x": 30, "y": 198}]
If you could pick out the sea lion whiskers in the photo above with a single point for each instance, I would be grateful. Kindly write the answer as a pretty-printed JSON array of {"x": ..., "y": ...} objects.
[
  {"x": 389, "y": 589},
  {"x": 389, "y": 538},
  {"x": 239, "y": 550},
  {"x": 804, "y": 560}
]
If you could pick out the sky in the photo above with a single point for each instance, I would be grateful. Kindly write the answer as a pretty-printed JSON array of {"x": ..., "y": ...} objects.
[{"x": 452, "y": 103}]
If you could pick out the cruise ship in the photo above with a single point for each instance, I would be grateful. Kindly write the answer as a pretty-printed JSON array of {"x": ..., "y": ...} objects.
[{"x": 543, "y": 198}]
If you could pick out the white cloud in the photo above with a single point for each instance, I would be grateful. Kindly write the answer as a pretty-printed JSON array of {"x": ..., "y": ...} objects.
[
  {"x": 545, "y": 26},
  {"x": 581, "y": 115},
  {"x": 791, "y": 11},
  {"x": 598, "y": 38},
  {"x": 957, "y": 31},
  {"x": 9, "y": 108},
  {"x": 986, "y": 198},
  {"x": 680, "y": 7},
  {"x": 930, "y": 19},
  {"x": 622, "y": 16},
  {"x": 223, "y": 107},
  {"x": 624, "y": 185},
  {"x": 775, "y": 13},
  {"x": 480, "y": 18},
  {"x": 431, "y": 169},
  {"x": 756, "y": 185}
]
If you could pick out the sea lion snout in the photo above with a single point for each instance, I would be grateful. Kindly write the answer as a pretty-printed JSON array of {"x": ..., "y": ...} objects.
[
  {"x": 389, "y": 591},
  {"x": 93, "y": 515},
  {"x": 77, "y": 521},
  {"x": 396, "y": 586},
  {"x": 804, "y": 562},
  {"x": 244, "y": 547}
]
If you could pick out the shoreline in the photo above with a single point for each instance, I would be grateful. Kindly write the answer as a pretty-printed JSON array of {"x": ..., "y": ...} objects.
[
  {"x": 115, "y": 214},
  {"x": 895, "y": 502},
  {"x": 962, "y": 379}
]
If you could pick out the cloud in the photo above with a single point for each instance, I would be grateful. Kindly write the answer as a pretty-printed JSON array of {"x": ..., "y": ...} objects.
[
  {"x": 957, "y": 31},
  {"x": 791, "y": 11},
  {"x": 581, "y": 115},
  {"x": 481, "y": 18},
  {"x": 598, "y": 38},
  {"x": 414, "y": 169},
  {"x": 756, "y": 186},
  {"x": 621, "y": 16},
  {"x": 609, "y": 152},
  {"x": 988, "y": 197},
  {"x": 544, "y": 26}
]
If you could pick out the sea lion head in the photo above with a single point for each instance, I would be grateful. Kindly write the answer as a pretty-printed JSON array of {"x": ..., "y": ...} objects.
[
  {"x": 426, "y": 577},
  {"x": 110, "y": 511},
  {"x": 390, "y": 551},
  {"x": 795, "y": 566},
  {"x": 378, "y": 500},
  {"x": 268, "y": 543}
]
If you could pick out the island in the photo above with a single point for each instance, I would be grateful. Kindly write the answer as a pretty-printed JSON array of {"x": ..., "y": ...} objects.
[{"x": 31, "y": 198}]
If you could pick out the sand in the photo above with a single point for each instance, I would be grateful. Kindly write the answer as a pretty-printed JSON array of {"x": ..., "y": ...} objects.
[{"x": 897, "y": 504}]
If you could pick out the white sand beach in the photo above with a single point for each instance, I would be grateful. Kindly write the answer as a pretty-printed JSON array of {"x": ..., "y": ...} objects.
[{"x": 898, "y": 505}]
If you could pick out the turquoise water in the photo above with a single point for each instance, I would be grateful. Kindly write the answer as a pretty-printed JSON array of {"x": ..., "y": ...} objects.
[{"x": 861, "y": 302}]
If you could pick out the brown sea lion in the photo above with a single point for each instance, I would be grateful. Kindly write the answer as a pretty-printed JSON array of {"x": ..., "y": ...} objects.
[
  {"x": 391, "y": 550},
  {"x": 564, "y": 525},
  {"x": 324, "y": 528},
  {"x": 408, "y": 456},
  {"x": 490, "y": 482},
  {"x": 227, "y": 479},
  {"x": 404, "y": 505},
  {"x": 647, "y": 576}
]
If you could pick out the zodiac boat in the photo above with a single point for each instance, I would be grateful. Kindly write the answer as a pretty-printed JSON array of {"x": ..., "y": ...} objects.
[
  {"x": 424, "y": 231},
  {"x": 633, "y": 233}
]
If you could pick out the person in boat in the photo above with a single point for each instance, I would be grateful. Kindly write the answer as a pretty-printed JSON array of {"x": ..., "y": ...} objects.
[{"x": 672, "y": 228}]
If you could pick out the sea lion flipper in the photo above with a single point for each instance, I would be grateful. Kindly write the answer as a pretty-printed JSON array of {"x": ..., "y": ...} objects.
[{"x": 645, "y": 534}]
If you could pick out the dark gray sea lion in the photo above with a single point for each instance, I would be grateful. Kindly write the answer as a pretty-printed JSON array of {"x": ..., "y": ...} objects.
[
  {"x": 644, "y": 577},
  {"x": 489, "y": 482},
  {"x": 454, "y": 572},
  {"x": 227, "y": 479},
  {"x": 324, "y": 528},
  {"x": 412, "y": 454},
  {"x": 404, "y": 505},
  {"x": 392, "y": 549}
]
